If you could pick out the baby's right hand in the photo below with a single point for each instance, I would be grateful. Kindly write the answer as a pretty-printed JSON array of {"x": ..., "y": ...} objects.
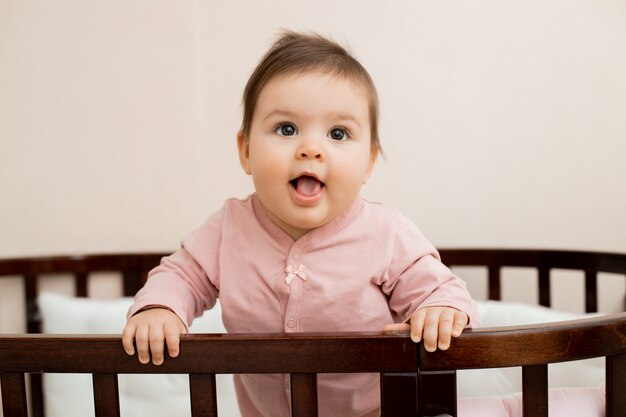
[{"x": 150, "y": 328}]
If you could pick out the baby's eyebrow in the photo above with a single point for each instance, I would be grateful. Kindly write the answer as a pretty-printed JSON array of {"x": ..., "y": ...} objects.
[
  {"x": 348, "y": 117},
  {"x": 281, "y": 113}
]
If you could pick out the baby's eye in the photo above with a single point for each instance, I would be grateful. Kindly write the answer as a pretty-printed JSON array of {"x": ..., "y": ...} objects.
[
  {"x": 338, "y": 133},
  {"x": 286, "y": 129}
]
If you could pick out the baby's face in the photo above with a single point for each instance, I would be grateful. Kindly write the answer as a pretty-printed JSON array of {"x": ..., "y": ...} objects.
[{"x": 309, "y": 150}]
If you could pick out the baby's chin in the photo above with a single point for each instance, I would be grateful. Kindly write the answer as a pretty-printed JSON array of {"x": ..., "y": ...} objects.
[{"x": 304, "y": 224}]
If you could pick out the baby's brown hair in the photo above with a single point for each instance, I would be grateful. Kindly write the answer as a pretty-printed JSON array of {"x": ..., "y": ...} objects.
[{"x": 298, "y": 53}]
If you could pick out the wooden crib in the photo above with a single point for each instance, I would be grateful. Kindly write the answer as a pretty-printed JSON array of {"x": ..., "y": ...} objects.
[{"x": 413, "y": 381}]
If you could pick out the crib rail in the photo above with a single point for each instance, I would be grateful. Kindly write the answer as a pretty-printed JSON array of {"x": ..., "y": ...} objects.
[
  {"x": 533, "y": 347},
  {"x": 134, "y": 269},
  {"x": 202, "y": 356},
  {"x": 591, "y": 263},
  {"x": 408, "y": 372}
]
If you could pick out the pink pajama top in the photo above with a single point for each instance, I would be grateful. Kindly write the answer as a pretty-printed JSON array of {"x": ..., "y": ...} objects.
[{"x": 369, "y": 267}]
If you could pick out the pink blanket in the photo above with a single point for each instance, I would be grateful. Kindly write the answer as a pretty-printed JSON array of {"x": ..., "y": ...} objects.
[{"x": 562, "y": 402}]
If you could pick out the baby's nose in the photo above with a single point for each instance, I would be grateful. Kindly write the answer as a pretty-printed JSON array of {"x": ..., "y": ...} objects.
[{"x": 310, "y": 149}]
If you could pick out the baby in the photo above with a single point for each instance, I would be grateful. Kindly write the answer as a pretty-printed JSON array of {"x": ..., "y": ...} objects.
[{"x": 304, "y": 253}]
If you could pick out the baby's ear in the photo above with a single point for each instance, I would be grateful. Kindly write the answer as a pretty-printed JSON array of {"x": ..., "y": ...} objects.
[{"x": 244, "y": 151}]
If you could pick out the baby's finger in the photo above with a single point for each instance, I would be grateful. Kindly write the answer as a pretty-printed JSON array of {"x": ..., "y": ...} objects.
[
  {"x": 460, "y": 321},
  {"x": 143, "y": 344},
  {"x": 417, "y": 325},
  {"x": 446, "y": 321},
  {"x": 172, "y": 339},
  {"x": 431, "y": 330},
  {"x": 157, "y": 344},
  {"x": 128, "y": 338},
  {"x": 396, "y": 327}
]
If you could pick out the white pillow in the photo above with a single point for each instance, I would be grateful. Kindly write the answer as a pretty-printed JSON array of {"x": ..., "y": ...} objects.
[
  {"x": 69, "y": 395},
  {"x": 505, "y": 381}
]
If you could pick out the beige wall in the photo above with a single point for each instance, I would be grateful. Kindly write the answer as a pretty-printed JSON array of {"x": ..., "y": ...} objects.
[{"x": 503, "y": 121}]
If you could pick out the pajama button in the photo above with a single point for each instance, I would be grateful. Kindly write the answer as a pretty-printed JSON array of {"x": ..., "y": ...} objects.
[{"x": 291, "y": 323}]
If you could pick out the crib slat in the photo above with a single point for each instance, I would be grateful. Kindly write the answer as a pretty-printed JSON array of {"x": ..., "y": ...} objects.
[
  {"x": 13, "y": 394},
  {"x": 615, "y": 383},
  {"x": 591, "y": 291},
  {"x": 106, "y": 395},
  {"x": 437, "y": 392},
  {"x": 33, "y": 325},
  {"x": 80, "y": 278},
  {"x": 30, "y": 294},
  {"x": 36, "y": 395},
  {"x": 494, "y": 282},
  {"x": 131, "y": 281},
  {"x": 304, "y": 395},
  {"x": 398, "y": 394},
  {"x": 535, "y": 390},
  {"x": 544, "y": 286},
  {"x": 203, "y": 394}
]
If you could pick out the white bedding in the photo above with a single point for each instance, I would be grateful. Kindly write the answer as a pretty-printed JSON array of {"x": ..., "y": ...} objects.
[{"x": 71, "y": 395}]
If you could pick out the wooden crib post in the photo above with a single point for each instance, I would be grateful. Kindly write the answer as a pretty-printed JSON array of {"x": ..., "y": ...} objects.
[
  {"x": 13, "y": 394},
  {"x": 203, "y": 393},
  {"x": 33, "y": 325},
  {"x": 398, "y": 393},
  {"x": 106, "y": 395},
  {"x": 494, "y": 282},
  {"x": 437, "y": 393},
  {"x": 591, "y": 291},
  {"x": 535, "y": 390},
  {"x": 615, "y": 383},
  {"x": 544, "y": 285},
  {"x": 304, "y": 395}
]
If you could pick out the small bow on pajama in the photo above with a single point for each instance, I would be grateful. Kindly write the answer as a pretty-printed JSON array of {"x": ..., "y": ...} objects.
[{"x": 293, "y": 272}]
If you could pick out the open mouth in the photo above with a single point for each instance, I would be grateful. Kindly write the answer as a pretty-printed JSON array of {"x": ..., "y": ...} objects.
[{"x": 307, "y": 185}]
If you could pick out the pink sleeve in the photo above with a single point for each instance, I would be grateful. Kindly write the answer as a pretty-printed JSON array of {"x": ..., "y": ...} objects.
[
  {"x": 562, "y": 402},
  {"x": 186, "y": 282},
  {"x": 417, "y": 278}
]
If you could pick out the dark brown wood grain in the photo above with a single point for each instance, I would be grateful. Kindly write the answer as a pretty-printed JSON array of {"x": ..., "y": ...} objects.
[
  {"x": 304, "y": 395},
  {"x": 399, "y": 394},
  {"x": 203, "y": 393},
  {"x": 535, "y": 390},
  {"x": 13, "y": 393},
  {"x": 615, "y": 385},
  {"x": 106, "y": 395},
  {"x": 437, "y": 393},
  {"x": 215, "y": 353},
  {"x": 531, "y": 344}
]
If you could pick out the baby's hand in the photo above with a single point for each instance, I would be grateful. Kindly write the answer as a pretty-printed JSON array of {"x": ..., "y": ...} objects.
[
  {"x": 150, "y": 328},
  {"x": 436, "y": 325}
]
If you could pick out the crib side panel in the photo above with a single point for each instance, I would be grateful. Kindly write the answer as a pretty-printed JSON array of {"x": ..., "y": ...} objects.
[
  {"x": 302, "y": 355},
  {"x": 544, "y": 261}
]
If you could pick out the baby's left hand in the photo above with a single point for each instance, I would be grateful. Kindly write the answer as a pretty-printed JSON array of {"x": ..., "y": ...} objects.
[{"x": 436, "y": 325}]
